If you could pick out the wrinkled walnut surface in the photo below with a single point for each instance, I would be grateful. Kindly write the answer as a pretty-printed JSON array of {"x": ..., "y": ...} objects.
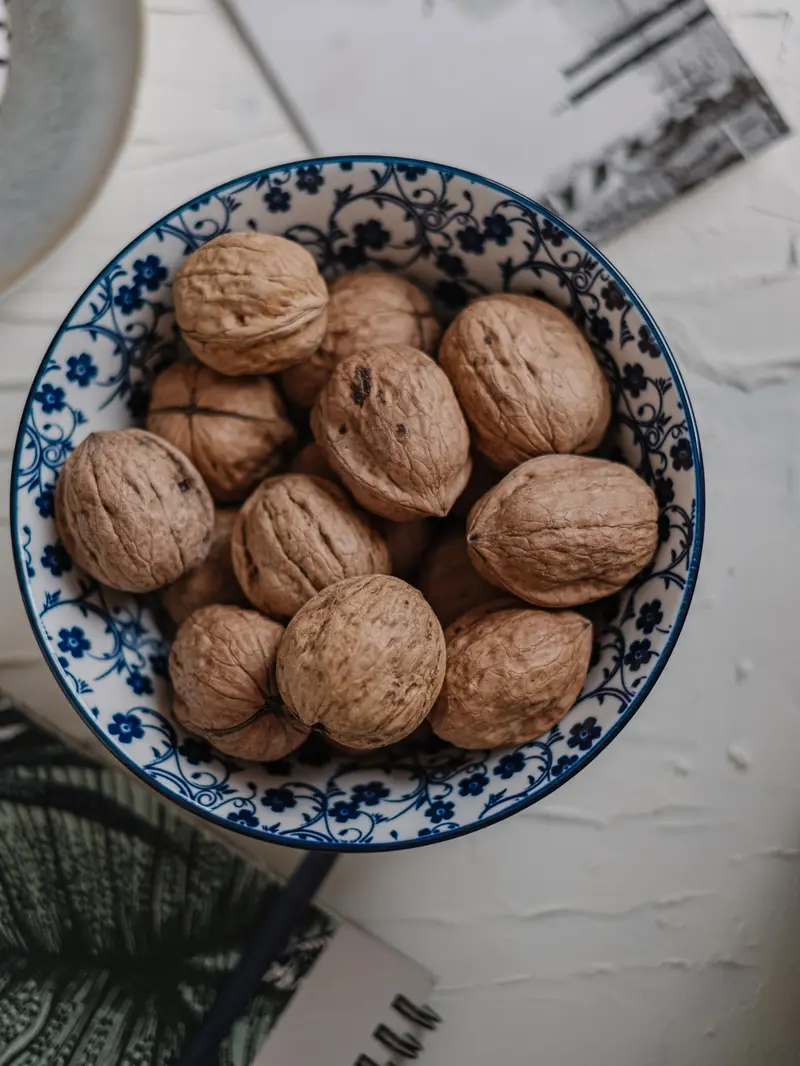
[
  {"x": 512, "y": 674},
  {"x": 365, "y": 309},
  {"x": 364, "y": 661},
  {"x": 213, "y": 581},
  {"x": 250, "y": 303},
  {"x": 562, "y": 530},
  {"x": 295, "y": 536},
  {"x": 266, "y": 739},
  {"x": 235, "y": 430},
  {"x": 222, "y": 666},
  {"x": 391, "y": 428},
  {"x": 132, "y": 510},
  {"x": 526, "y": 379},
  {"x": 449, "y": 581}
]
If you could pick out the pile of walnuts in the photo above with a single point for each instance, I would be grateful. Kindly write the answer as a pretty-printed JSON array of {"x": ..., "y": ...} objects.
[{"x": 285, "y": 563}]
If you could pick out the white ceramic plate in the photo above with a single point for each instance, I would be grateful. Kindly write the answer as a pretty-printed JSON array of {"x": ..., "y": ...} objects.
[{"x": 69, "y": 92}]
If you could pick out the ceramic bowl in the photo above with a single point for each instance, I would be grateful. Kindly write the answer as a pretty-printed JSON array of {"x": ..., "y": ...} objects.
[
  {"x": 72, "y": 75},
  {"x": 458, "y": 235}
]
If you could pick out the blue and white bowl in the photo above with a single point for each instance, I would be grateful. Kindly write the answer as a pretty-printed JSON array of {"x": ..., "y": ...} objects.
[{"x": 458, "y": 235}]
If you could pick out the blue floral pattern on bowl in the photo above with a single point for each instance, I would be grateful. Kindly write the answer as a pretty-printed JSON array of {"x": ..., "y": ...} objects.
[{"x": 458, "y": 235}]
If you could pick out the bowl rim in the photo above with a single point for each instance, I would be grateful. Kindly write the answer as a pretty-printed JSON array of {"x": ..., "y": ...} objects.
[{"x": 642, "y": 693}]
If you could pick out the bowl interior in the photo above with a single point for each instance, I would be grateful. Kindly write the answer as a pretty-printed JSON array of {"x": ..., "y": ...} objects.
[{"x": 458, "y": 236}]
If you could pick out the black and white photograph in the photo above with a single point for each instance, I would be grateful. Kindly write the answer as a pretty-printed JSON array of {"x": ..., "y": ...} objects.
[{"x": 604, "y": 109}]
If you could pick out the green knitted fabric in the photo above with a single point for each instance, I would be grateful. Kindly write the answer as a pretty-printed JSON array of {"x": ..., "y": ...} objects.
[{"x": 118, "y": 921}]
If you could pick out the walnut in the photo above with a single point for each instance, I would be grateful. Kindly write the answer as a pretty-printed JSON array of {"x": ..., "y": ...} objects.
[
  {"x": 235, "y": 430},
  {"x": 512, "y": 674},
  {"x": 222, "y": 666},
  {"x": 449, "y": 581},
  {"x": 526, "y": 378},
  {"x": 406, "y": 542},
  {"x": 250, "y": 303},
  {"x": 363, "y": 661},
  {"x": 213, "y": 581},
  {"x": 420, "y": 736},
  {"x": 132, "y": 511},
  {"x": 391, "y": 428},
  {"x": 311, "y": 460},
  {"x": 295, "y": 536},
  {"x": 365, "y": 309},
  {"x": 562, "y": 530}
]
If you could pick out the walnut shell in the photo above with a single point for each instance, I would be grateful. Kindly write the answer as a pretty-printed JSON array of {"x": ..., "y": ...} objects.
[
  {"x": 449, "y": 581},
  {"x": 562, "y": 530},
  {"x": 526, "y": 379},
  {"x": 391, "y": 428},
  {"x": 132, "y": 511},
  {"x": 213, "y": 581},
  {"x": 311, "y": 460},
  {"x": 295, "y": 536},
  {"x": 250, "y": 303},
  {"x": 512, "y": 674},
  {"x": 222, "y": 666},
  {"x": 366, "y": 309},
  {"x": 235, "y": 430},
  {"x": 363, "y": 661}
]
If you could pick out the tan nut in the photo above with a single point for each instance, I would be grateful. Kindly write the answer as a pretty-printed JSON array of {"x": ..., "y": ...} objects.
[
  {"x": 366, "y": 309},
  {"x": 235, "y": 430},
  {"x": 132, "y": 511},
  {"x": 251, "y": 303},
  {"x": 363, "y": 661},
  {"x": 449, "y": 581},
  {"x": 562, "y": 530},
  {"x": 390, "y": 425},
  {"x": 526, "y": 379},
  {"x": 213, "y": 581},
  {"x": 295, "y": 536},
  {"x": 222, "y": 666},
  {"x": 512, "y": 674}
]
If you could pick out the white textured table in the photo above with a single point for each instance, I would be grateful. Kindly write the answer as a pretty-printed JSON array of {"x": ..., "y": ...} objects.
[{"x": 648, "y": 915}]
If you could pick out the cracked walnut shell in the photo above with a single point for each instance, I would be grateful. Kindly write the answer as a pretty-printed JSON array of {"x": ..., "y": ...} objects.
[
  {"x": 295, "y": 536},
  {"x": 222, "y": 667},
  {"x": 363, "y": 661},
  {"x": 132, "y": 511},
  {"x": 213, "y": 581},
  {"x": 250, "y": 303},
  {"x": 365, "y": 309},
  {"x": 512, "y": 674},
  {"x": 392, "y": 430},
  {"x": 563, "y": 530},
  {"x": 526, "y": 379},
  {"x": 235, "y": 430}
]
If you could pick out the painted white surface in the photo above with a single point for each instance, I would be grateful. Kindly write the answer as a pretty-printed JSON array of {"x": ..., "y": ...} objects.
[
  {"x": 648, "y": 914},
  {"x": 513, "y": 89}
]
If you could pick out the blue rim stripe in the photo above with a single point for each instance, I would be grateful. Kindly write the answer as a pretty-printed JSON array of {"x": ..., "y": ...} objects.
[{"x": 641, "y": 695}]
